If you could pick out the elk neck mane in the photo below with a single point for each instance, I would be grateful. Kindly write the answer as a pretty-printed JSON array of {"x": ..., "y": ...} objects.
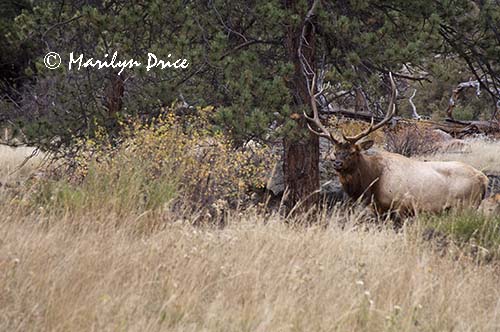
[{"x": 362, "y": 179}]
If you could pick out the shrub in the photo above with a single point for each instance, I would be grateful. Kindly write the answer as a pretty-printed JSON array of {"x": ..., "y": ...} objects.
[
  {"x": 410, "y": 140},
  {"x": 472, "y": 231},
  {"x": 465, "y": 113},
  {"x": 172, "y": 158}
]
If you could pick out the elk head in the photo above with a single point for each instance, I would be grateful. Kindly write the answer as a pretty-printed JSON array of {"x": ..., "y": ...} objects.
[{"x": 347, "y": 152}]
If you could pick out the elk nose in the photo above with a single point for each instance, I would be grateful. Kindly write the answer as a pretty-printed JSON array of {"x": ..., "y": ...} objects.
[{"x": 337, "y": 164}]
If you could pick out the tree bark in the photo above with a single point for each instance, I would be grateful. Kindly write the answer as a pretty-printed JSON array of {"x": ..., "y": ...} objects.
[
  {"x": 114, "y": 95},
  {"x": 301, "y": 147}
]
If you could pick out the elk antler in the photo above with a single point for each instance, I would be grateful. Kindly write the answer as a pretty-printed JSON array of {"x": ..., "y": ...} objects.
[
  {"x": 391, "y": 110},
  {"x": 323, "y": 132}
]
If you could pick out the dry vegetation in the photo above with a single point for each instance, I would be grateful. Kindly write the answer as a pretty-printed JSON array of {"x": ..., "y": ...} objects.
[
  {"x": 86, "y": 256},
  {"x": 483, "y": 155},
  {"x": 69, "y": 275},
  {"x": 12, "y": 158}
]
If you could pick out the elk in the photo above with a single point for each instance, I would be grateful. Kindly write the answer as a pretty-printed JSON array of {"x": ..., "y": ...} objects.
[{"x": 392, "y": 182}]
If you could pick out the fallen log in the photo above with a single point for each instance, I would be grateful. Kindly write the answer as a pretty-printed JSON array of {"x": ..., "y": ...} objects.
[
  {"x": 477, "y": 127},
  {"x": 456, "y": 128},
  {"x": 367, "y": 117}
]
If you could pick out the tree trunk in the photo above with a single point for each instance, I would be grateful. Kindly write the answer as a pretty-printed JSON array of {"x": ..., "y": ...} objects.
[
  {"x": 301, "y": 147},
  {"x": 301, "y": 170},
  {"x": 114, "y": 95}
]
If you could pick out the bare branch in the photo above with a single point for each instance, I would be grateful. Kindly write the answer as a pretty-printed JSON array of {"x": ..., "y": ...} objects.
[
  {"x": 58, "y": 24},
  {"x": 391, "y": 110},
  {"x": 414, "y": 113},
  {"x": 323, "y": 131},
  {"x": 412, "y": 78},
  {"x": 462, "y": 86},
  {"x": 246, "y": 44}
]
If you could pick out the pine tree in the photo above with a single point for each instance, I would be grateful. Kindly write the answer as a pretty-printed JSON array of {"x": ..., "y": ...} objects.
[{"x": 244, "y": 59}]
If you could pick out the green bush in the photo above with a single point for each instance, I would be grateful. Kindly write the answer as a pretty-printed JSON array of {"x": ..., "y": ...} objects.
[
  {"x": 469, "y": 230},
  {"x": 465, "y": 113}
]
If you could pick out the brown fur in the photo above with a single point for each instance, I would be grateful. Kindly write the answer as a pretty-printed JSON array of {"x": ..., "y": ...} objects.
[{"x": 394, "y": 182}]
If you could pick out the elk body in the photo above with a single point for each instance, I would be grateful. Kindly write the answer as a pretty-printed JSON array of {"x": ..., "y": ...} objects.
[{"x": 393, "y": 182}]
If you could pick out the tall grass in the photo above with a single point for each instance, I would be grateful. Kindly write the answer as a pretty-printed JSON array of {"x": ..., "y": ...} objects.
[
  {"x": 122, "y": 187},
  {"x": 483, "y": 155},
  {"x": 110, "y": 253},
  {"x": 256, "y": 274}
]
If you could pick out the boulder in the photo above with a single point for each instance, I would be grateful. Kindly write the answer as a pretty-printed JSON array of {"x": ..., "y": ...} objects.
[
  {"x": 331, "y": 189},
  {"x": 491, "y": 206},
  {"x": 494, "y": 184},
  {"x": 276, "y": 181}
]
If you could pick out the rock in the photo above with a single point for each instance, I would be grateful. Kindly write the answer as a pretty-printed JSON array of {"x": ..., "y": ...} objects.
[
  {"x": 491, "y": 206},
  {"x": 276, "y": 181},
  {"x": 325, "y": 146},
  {"x": 331, "y": 189},
  {"x": 444, "y": 136},
  {"x": 494, "y": 184}
]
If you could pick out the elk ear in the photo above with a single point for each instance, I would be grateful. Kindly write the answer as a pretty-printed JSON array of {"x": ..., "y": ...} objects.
[{"x": 366, "y": 145}]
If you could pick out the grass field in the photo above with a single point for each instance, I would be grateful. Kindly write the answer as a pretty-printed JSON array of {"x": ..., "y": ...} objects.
[
  {"x": 483, "y": 155},
  {"x": 12, "y": 158},
  {"x": 102, "y": 270}
]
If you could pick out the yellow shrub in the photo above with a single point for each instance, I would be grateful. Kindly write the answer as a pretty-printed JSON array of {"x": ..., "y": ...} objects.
[{"x": 199, "y": 167}]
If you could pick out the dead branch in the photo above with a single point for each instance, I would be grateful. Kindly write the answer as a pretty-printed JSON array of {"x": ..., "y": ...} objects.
[
  {"x": 414, "y": 113},
  {"x": 466, "y": 85}
]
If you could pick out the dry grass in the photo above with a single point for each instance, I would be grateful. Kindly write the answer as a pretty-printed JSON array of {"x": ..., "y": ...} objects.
[
  {"x": 70, "y": 275},
  {"x": 484, "y": 155},
  {"x": 12, "y": 158},
  {"x": 156, "y": 272}
]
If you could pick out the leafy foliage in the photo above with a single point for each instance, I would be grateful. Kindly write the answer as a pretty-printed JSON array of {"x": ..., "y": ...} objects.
[
  {"x": 16, "y": 55},
  {"x": 247, "y": 59},
  {"x": 238, "y": 58},
  {"x": 477, "y": 234},
  {"x": 170, "y": 161}
]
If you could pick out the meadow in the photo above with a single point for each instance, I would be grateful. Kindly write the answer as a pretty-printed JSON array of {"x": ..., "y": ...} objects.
[
  {"x": 164, "y": 179},
  {"x": 79, "y": 256}
]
